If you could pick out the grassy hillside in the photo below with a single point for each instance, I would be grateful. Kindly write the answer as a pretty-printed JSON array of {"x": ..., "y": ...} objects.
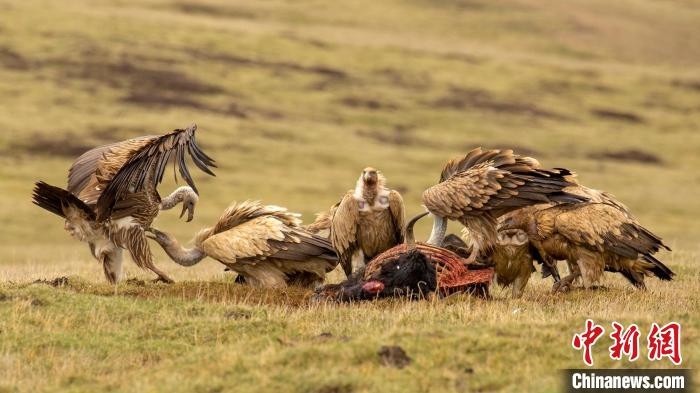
[{"x": 293, "y": 99}]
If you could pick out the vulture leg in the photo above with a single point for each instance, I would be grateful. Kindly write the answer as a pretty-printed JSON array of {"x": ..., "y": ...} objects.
[
  {"x": 565, "y": 283},
  {"x": 134, "y": 239},
  {"x": 112, "y": 265}
]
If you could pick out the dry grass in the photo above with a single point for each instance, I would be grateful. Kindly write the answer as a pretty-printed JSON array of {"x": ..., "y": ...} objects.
[{"x": 293, "y": 100}]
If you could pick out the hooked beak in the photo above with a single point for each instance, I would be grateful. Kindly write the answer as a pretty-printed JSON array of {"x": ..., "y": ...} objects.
[{"x": 189, "y": 208}]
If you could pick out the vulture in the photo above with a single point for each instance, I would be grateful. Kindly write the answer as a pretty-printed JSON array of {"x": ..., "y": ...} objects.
[
  {"x": 411, "y": 270},
  {"x": 593, "y": 237},
  {"x": 112, "y": 195},
  {"x": 549, "y": 266},
  {"x": 265, "y": 245},
  {"x": 484, "y": 184},
  {"x": 411, "y": 275},
  {"x": 368, "y": 221},
  {"x": 512, "y": 260}
]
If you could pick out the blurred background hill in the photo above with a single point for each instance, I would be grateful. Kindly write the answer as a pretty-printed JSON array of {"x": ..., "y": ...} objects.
[{"x": 294, "y": 98}]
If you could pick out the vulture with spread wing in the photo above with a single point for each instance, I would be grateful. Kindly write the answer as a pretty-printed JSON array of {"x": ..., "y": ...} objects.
[
  {"x": 112, "y": 195},
  {"x": 593, "y": 237},
  {"x": 478, "y": 188},
  {"x": 266, "y": 245},
  {"x": 368, "y": 221}
]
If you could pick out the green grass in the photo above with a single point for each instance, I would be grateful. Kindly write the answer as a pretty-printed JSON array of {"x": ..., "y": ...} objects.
[{"x": 293, "y": 99}]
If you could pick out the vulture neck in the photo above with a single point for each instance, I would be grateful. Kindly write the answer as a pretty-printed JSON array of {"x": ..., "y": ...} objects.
[
  {"x": 178, "y": 196},
  {"x": 181, "y": 256},
  {"x": 369, "y": 191},
  {"x": 437, "y": 235}
]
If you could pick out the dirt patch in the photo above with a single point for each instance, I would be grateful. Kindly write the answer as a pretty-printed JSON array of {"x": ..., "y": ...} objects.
[
  {"x": 158, "y": 99},
  {"x": 335, "y": 389},
  {"x": 127, "y": 74},
  {"x": 461, "y": 98},
  {"x": 686, "y": 84},
  {"x": 393, "y": 356},
  {"x": 367, "y": 103},
  {"x": 618, "y": 115},
  {"x": 270, "y": 64},
  {"x": 630, "y": 155},
  {"x": 213, "y": 10},
  {"x": 400, "y": 79},
  {"x": 400, "y": 135},
  {"x": 61, "y": 145},
  {"x": 12, "y": 60}
]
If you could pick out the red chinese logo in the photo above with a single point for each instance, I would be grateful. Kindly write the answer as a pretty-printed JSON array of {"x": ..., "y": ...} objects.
[
  {"x": 625, "y": 342},
  {"x": 665, "y": 342},
  {"x": 587, "y": 339}
]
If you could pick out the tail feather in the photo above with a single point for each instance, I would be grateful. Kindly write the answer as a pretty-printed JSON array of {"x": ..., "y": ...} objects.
[
  {"x": 659, "y": 269},
  {"x": 55, "y": 200}
]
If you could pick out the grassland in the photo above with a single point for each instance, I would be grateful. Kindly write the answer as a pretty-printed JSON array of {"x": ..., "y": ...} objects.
[{"x": 293, "y": 99}]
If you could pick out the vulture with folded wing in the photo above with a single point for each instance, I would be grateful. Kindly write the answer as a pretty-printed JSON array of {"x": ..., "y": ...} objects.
[
  {"x": 368, "y": 220},
  {"x": 484, "y": 184},
  {"x": 112, "y": 195},
  {"x": 549, "y": 266},
  {"x": 266, "y": 245},
  {"x": 593, "y": 237}
]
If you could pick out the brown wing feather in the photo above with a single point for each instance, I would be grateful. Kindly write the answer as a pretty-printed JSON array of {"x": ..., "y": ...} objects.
[
  {"x": 94, "y": 169},
  {"x": 148, "y": 162},
  {"x": 344, "y": 230},
  {"x": 494, "y": 181},
  {"x": 398, "y": 216},
  {"x": 605, "y": 228}
]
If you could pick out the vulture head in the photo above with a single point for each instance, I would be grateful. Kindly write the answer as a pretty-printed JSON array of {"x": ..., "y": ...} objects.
[
  {"x": 185, "y": 194},
  {"x": 370, "y": 186},
  {"x": 162, "y": 238}
]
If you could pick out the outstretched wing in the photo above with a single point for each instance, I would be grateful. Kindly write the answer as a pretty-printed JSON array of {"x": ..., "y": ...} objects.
[
  {"x": 94, "y": 169},
  {"x": 344, "y": 231},
  {"x": 494, "y": 181},
  {"x": 398, "y": 216},
  {"x": 148, "y": 162}
]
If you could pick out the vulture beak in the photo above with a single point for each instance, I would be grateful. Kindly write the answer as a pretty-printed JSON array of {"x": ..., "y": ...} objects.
[
  {"x": 373, "y": 287},
  {"x": 189, "y": 208},
  {"x": 437, "y": 235}
]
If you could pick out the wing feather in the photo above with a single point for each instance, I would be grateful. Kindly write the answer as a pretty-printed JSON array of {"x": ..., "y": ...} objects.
[
  {"x": 344, "y": 230},
  {"x": 398, "y": 216},
  {"x": 147, "y": 161}
]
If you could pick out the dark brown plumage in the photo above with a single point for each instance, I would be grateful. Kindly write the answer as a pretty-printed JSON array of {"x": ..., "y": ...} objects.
[
  {"x": 484, "y": 184},
  {"x": 368, "y": 221},
  {"x": 593, "y": 237},
  {"x": 117, "y": 185},
  {"x": 512, "y": 260}
]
